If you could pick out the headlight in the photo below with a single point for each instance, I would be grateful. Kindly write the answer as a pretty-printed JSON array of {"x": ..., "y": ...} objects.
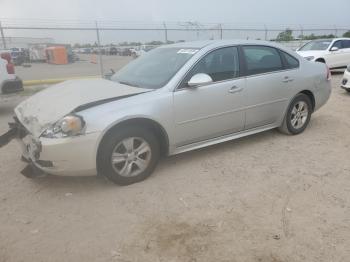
[
  {"x": 348, "y": 68},
  {"x": 309, "y": 58},
  {"x": 70, "y": 125}
]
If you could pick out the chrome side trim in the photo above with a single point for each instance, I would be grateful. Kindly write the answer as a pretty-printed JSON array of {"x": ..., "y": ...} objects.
[{"x": 221, "y": 139}]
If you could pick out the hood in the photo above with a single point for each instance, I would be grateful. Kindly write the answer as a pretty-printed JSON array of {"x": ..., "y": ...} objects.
[
  {"x": 315, "y": 53},
  {"x": 50, "y": 105}
]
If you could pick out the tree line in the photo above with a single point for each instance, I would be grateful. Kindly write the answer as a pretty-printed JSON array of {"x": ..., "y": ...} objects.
[{"x": 287, "y": 35}]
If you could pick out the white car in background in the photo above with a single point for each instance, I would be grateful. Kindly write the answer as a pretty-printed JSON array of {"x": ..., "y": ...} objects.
[
  {"x": 334, "y": 52},
  {"x": 9, "y": 82},
  {"x": 345, "y": 83}
]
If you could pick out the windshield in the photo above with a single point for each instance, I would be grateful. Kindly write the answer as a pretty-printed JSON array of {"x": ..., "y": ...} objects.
[
  {"x": 155, "y": 68},
  {"x": 316, "y": 45}
]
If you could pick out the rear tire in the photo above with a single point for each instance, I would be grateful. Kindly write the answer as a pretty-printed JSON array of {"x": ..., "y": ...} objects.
[
  {"x": 128, "y": 155},
  {"x": 298, "y": 115}
]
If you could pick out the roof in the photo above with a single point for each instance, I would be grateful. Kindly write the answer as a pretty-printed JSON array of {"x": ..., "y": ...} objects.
[
  {"x": 218, "y": 43},
  {"x": 331, "y": 39}
]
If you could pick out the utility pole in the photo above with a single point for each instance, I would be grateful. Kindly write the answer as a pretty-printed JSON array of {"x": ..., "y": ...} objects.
[
  {"x": 301, "y": 32},
  {"x": 165, "y": 33},
  {"x": 3, "y": 36},
  {"x": 265, "y": 32},
  {"x": 336, "y": 31},
  {"x": 99, "y": 48},
  {"x": 220, "y": 28}
]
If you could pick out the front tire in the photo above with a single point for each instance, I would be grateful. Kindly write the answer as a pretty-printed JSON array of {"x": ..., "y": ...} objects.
[
  {"x": 298, "y": 115},
  {"x": 128, "y": 155}
]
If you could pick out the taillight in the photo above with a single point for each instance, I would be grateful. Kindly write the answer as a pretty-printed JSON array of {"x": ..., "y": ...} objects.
[
  {"x": 10, "y": 68},
  {"x": 329, "y": 75},
  {"x": 7, "y": 57}
]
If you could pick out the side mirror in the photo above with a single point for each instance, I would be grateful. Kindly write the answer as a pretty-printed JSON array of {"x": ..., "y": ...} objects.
[
  {"x": 334, "y": 48},
  {"x": 199, "y": 80}
]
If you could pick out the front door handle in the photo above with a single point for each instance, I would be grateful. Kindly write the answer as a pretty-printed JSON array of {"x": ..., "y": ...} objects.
[
  {"x": 287, "y": 79},
  {"x": 235, "y": 89}
]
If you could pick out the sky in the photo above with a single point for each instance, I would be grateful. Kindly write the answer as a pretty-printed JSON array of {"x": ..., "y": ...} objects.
[{"x": 308, "y": 13}]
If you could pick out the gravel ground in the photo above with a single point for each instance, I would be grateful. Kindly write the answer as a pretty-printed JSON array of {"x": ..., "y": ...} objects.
[{"x": 265, "y": 198}]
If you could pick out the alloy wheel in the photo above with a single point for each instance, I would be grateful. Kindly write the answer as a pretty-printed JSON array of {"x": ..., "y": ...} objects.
[
  {"x": 131, "y": 156},
  {"x": 299, "y": 115}
]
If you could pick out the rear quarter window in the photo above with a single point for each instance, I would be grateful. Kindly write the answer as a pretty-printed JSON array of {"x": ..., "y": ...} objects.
[{"x": 290, "y": 61}]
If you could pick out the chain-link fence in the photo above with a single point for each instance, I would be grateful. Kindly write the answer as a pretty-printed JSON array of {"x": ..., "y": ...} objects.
[{"x": 95, "y": 47}]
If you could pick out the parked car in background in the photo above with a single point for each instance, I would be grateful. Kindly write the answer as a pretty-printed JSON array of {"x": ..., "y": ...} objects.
[
  {"x": 125, "y": 51},
  {"x": 72, "y": 56},
  {"x": 171, "y": 100},
  {"x": 9, "y": 82},
  {"x": 112, "y": 50},
  {"x": 140, "y": 50},
  {"x": 17, "y": 56},
  {"x": 345, "y": 83},
  {"x": 86, "y": 50},
  {"x": 334, "y": 52}
]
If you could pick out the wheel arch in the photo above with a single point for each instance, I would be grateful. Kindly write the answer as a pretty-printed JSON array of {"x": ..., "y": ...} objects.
[
  {"x": 153, "y": 125},
  {"x": 311, "y": 96},
  {"x": 321, "y": 60}
]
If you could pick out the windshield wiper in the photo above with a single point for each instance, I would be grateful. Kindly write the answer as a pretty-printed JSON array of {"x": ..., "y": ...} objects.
[{"x": 127, "y": 83}]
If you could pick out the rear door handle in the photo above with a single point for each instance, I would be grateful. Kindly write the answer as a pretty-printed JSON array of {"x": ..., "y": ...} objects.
[
  {"x": 235, "y": 89},
  {"x": 287, "y": 79}
]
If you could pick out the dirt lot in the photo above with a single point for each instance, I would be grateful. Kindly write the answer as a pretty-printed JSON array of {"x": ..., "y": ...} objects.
[{"x": 264, "y": 198}]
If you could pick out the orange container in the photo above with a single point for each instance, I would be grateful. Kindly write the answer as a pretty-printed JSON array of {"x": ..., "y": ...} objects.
[{"x": 57, "y": 55}]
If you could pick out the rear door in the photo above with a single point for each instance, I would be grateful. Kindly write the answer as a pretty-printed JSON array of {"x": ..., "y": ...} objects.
[{"x": 268, "y": 84}]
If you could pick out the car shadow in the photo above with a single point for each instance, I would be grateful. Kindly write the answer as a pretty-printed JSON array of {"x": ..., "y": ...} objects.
[
  {"x": 344, "y": 93},
  {"x": 71, "y": 184}
]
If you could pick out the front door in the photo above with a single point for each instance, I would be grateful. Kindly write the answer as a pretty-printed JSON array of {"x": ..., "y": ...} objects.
[
  {"x": 212, "y": 110},
  {"x": 336, "y": 58}
]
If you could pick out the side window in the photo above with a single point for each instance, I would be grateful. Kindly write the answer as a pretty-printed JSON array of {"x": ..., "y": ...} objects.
[
  {"x": 346, "y": 43},
  {"x": 338, "y": 44},
  {"x": 221, "y": 64},
  {"x": 261, "y": 59},
  {"x": 290, "y": 61}
]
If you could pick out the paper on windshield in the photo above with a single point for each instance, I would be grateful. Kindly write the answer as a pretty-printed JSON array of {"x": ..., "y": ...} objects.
[{"x": 187, "y": 51}]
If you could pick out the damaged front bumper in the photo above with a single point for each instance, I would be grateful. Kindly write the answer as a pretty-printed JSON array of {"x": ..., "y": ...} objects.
[
  {"x": 68, "y": 156},
  {"x": 31, "y": 147}
]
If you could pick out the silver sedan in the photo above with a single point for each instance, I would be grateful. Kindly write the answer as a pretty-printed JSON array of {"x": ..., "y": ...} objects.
[{"x": 172, "y": 99}]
